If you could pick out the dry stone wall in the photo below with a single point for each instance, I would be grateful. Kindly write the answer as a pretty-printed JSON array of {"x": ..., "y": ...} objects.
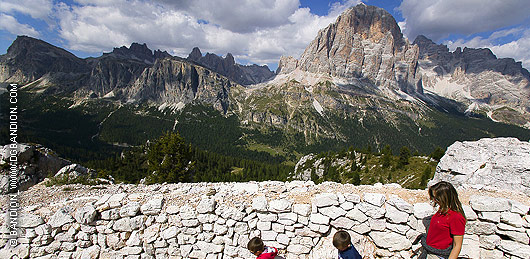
[{"x": 209, "y": 220}]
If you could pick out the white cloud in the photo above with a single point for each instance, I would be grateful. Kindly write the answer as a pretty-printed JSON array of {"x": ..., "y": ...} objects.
[
  {"x": 10, "y": 24},
  {"x": 437, "y": 19},
  {"x": 252, "y": 31},
  {"x": 518, "y": 49},
  {"x": 37, "y": 9}
]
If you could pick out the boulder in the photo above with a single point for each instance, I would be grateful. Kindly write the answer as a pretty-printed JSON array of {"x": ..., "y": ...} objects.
[{"x": 501, "y": 163}]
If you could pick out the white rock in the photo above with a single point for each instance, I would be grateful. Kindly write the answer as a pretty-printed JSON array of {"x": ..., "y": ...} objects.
[
  {"x": 490, "y": 254},
  {"x": 130, "y": 209},
  {"x": 61, "y": 217},
  {"x": 298, "y": 249},
  {"x": 319, "y": 219},
  {"x": 470, "y": 247},
  {"x": 283, "y": 239},
  {"x": 325, "y": 199},
  {"x": 115, "y": 200},
  {"x": 264, "y": 225},
  {"x": 519, "y": 208},
  {"x": 246, "y": 187},
  {"x": 302, "y": 209},
  {"x": 480, "y": 228},
  {"x": 123, "y": 225},
  {"x": 356, "y": 215},
  {"x": 85, "y": 214},
  {"x": 491, "y": 216},
  {"x": 401, "y": 205},
  {"x": 390, "y": 240},
  {"x": 209, "y": 248},
  {"x": 170, "y": 232},
  {"x": 332, "y": 211},
  {"x": 423, "y": 210},
  {"x": 495, "y": 162},
  {"x": 515, "y": 248},
  {"x": 396, "y": 216},
  {"x": 280, "y": 206},
  {"x": 270, "y": 217},
  {"x": 259, "y": 203},
  {"x": 91, "y": 252},
  {"x": 343, "y": 223},
  {"x": 354, "y": 198},
  {"x": 485, "y": 203},
  {"x": 371, "y": 211},
  {"x": 470, "y": 213},
  {"x": 268, "y": 235},
  {"x": 152, "y": 206},
  {"x": 206, "y": 206},
  {"x": 489, "y": 241},
  {"x": 376, "y": 199},
  {"x": 512, "y": 219},
  {"x": 27, "y": 220}
]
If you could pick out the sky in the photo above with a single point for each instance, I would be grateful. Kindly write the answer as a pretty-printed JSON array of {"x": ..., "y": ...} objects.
[{"x": 256, "y": 31}]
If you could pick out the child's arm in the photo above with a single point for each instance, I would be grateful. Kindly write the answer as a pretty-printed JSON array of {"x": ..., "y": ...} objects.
[{"x": 457, "y": 246}]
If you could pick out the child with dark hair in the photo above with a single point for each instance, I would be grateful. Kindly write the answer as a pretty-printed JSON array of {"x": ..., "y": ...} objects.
[
  {"x": 256, "y": 247},
  {"x": 447, "y": 227},
  {"x": 342, "y": 241}
]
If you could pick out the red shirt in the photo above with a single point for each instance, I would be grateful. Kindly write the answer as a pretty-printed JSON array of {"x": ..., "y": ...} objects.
[
  {"x": 443, "y": 227},
  {"x": 268, "y": 253}
]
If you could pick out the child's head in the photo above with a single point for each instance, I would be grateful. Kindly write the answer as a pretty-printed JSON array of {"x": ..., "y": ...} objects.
[
  {"x": 341, "y": 240},
  {"x": 256, "y": 246},
  {"x": 445, "y": 195}
]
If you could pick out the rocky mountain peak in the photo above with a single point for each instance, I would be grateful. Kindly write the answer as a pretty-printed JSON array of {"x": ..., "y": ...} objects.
[
  {"x": 228, "y": 67},
  {"x": 195, "y": 54},
  {"x": 364, "y": 42},
  {"x": 139, "y": 52},
  {"x": 28, "y": 59}
]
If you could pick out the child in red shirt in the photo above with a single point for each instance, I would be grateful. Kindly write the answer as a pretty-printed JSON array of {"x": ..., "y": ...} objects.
[
  {"x": 447, "y": 225},
  {"x": 256, "y": 247}
]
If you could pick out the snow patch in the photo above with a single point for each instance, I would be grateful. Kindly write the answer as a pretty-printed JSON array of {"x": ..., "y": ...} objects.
[
  {"x": 174, "y": 107},
  {"x": 318, "y": 107},
  {"x": 109, "y": 95}
]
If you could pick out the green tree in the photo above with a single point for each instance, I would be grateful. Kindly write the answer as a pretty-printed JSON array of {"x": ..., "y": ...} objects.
[
  {"x": 356, "y": 178},
  {"x": 170, "y": 160},
  {"x": 404, "y": 155},
  {"x": 386, "y": 156},
  {"x": 437, "y": 154},
  {"x": 425, "y": 176}
]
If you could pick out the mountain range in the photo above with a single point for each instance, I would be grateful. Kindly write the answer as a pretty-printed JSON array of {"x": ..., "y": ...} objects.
[{"x": 360, "y": 83}]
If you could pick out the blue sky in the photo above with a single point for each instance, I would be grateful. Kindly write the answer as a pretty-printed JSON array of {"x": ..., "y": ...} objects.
[{"x": 258, "y": 31}]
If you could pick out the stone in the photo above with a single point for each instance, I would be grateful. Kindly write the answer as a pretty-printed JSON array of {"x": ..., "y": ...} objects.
[
  {"x": 491, "y": 216},
  {"x": 110, "y": 214},
  {"x": 152, "y": 206},
  {"x": 283, "y": 239},
  {"x": 209, "y": 248},
  {"x": 485, "y": 203},
  {"x": 278, "y": 206},
  {"x": 390, "y": 240},
  {"x": 470, "y": 247},
  {"x": 480, "y": 228},
  {"x": 319, "y": 219},
  {"x": 470, "y": 213},
  {"x": 332, "y": 212},
  {"x": 519, "y": 208},
  {"x": 371, "y": 211},
  {"x": 61, "y": 217},
  {"x": 354, "y": 198},
  {"x": 378, "y": 224},
  {"x": 27, "y": 220},
  {"x": 115, "y": 200},
  {"x": 268, "y": 235},
  {"x": 395, "y": 215},
  {"x": 422, "y": 210},
  {"x": 206, "y": 206},
  {"x": 490, "y": 254},
  {"x": 493, "y": 162},
  {"x": 376, "y": 199},
  {"x": 515, "y": 248},
  {"x": 259, "y": 203},
  {"x": 298, "y": 249},
  {"x": 302, "y": 209},
  {"x": 325, "y": 199},
  {"x": 401, "y": 205},
  {"x": 342, "y": 223},
  {"x": 90, "y": 253},
  {"x": 520, "y": 237},
  {"x": 356, "y": 215},
  {"x": 513, "y": 219},
  {"x": 264, "y": 225},
  {"x": 85, "y": 214},
  {"x": 130, "y": 209},
  {"x": 489, "y": 241}
]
